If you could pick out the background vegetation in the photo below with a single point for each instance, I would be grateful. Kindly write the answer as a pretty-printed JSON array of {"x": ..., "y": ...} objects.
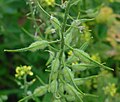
[{"x": 104, "y": 46}]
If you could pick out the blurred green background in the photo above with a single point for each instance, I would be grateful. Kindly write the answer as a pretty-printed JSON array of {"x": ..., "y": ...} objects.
[{"x": 105, "y": 47}]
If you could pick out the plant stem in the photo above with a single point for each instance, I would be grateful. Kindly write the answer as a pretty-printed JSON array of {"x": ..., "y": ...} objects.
[
  {"x": 84, "y": 4},
  {"x": 33, "y": 17},
  {"x": 25, "y": 86},
  {"x": 64, "y": 24},
  {"x": 43, "y": 9}
]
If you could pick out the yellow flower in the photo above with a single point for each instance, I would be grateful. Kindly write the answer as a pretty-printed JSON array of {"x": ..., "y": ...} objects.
[
  {"x": 23, "y": 70},
  {"x": 96, "y": 57},
  {"x": 104, "y": 15},
  {"x": 70, "y": 53},
  {"x": 111, "y": 0},
  {"x": 74, "y": 63},
  {"x": 50, "y": 2},
  {"x": 110, "y": 89}
]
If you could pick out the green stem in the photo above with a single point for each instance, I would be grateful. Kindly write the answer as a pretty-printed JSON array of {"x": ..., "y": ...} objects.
[
  {"x": 25, "y": 87},
  {"x": 33, "y": 17},
  {"x": 41, "y": 81},
  {"x": 84, "y": 4},
  {"x": 43, "y": 9},
  {"x": 63, "y": 29},
  {"x": 64, "y": 24}
]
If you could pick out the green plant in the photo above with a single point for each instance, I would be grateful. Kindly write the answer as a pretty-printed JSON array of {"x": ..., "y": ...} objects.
[{"x": 63, "y": 82}]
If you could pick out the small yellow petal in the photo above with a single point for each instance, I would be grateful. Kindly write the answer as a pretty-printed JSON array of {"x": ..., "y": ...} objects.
[{"x": 30, "y": 73}]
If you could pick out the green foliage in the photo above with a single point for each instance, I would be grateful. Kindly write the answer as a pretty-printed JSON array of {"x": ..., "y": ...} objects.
[{"x": 71, "y": 39}]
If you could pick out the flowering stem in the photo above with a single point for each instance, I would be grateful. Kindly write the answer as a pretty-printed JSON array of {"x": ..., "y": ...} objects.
[
  {"x": 64, "y": 24},
  {"x": 43, "y": 9},
  {"x": 25, "y": 86}
]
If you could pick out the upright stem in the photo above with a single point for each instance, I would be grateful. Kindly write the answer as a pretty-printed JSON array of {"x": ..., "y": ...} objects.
[
  {"x": 84, "y": 4},
  {"x": 33, "y": 17},
  {"x": 25, "y": 86},
  {"x": 63, "y": 27}
]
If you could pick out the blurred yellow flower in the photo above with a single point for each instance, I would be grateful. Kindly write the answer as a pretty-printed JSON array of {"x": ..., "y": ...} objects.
[
  {"x": 104, "y": 15},
  {"x": 96, "y": 57},
  {"x": 50, "y": 2},
  {"x": 110, "y": 89},
  {"x": 74, "y": 63},
  {"x": 23, "y": 70},
  {"x": 70, "y": 53}
]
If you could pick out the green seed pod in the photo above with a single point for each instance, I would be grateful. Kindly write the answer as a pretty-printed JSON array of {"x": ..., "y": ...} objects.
[
  {"x": 63, "y": 58},
  {"x": 70, "y": 98},
  {"x": 68, "y": 38},
  {"x": 69, "y": 89},
  {"x": 63, "y": 100},
  {"x": 57, "y": 100},
  {"x": 33, "y": 47},
  {"x": 72, "y": 59},
  {"x": 40, "y": 90},
  {"x": 68, "y": 75},
  {"x": 51, "y": 56},
  {"x": 53, "y": 86},
  {"x": 82, "y": 66},
  {"x": 61, "y": 87},
  {"x": 38, "y": 45},
  {"x": 55, "y": 22},
  {"x": 54, "y": 75},
  {"x": 55, "y": 64},
  {"x": 84, "y": 46},
  {"x": 72, "y": 91},
  {"x": 83, "y": 56},
  {"x": 79, "y": 81},
  {"x": 86, "y": 58}
]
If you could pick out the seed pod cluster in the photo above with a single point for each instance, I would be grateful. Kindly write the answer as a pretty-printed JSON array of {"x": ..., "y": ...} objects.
[{"x": 62, "y": 81}]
